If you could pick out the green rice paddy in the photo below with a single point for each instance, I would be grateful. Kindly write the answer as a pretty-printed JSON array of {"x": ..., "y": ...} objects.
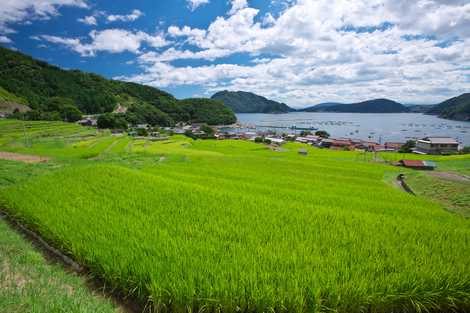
[{"x": 231, "y": 226}]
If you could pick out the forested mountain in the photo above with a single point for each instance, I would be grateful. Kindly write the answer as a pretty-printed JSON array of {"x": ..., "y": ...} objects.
[
  {"x": 318, "y": 107},
  {"x": 247, "y": 102},
  {"x": 54, "y": 93},
  {"x": 457, "y": 108},
  {"x": 370, "y": 106},
  {"x": 419, "y": 108}
]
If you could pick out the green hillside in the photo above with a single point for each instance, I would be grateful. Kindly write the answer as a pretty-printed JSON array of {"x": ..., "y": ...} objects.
[
  {"x": 50, "y": 89},
  {"x": 457, "y": 108},
  {"x": 10, "y": 103},
  {"x": 247, "y": 102}
]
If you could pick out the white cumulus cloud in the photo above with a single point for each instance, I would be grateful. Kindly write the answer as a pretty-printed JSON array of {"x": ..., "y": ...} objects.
[
  {"x": 194, "y": 4},
  {"x": 20, "y": 11},
  {"x": 88, "y": 20},
  {"x": 5, "y": 39},
  {"x": 134, "y": 15},
  {"x": 109, "y": 40},
  {"x": 326, "y": 50}
]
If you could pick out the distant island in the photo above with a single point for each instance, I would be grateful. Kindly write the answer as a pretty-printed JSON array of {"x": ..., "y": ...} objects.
[
  {"x": 369, "y": 106},
  {"x": 247, "y": 102},
  {"x": 457, "y": 108}
]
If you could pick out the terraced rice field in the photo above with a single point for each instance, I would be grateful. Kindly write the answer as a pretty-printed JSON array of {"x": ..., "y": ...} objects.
[{"x": 224, "y": 226}]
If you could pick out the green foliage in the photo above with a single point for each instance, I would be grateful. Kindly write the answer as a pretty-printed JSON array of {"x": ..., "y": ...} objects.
[
  {"x": 6, "y": 96},
  {"x": 142, "y": 132},
  {"x": 211, "y": 112},
  {"x": 457, "y": 108},
  {"x": 466, "y": 149},
  {"x": 145, "y": 113},
  {"x": 304, "y": 133},
  {"x": 259, "y": 139},
  {"x": 65, "y": 107},
  {"x": 408, "y": 147},
  {"x": 322, "y": 133},
  {"x": 112, "y": 121},
  {"x": 208, "y": 130}
]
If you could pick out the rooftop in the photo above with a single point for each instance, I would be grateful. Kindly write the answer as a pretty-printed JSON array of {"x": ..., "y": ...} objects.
[{"x": 439, "y": 140}]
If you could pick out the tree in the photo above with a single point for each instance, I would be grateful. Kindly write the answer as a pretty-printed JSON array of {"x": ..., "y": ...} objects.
[
  {"x": 143, "y": 112},
  {"x": 259, "y": 139},
  {"x": 71, "y": 114},
  {"x": 305, "y": 133},
  {"x": 466, "y": 149},
  {"x": 142, "y": 132},
  {"x": 322, "y": 133},
  {"x": 112, "y": 121},
  {"x": 65, "y": 107},
  {"x": 208, "y": 130},
  {"x": 408, "y": 147}
]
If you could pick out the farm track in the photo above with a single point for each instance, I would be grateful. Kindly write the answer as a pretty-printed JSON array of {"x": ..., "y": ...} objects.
[
  {"x": 55, "y": 256},
  {"x": 22, "y": 157}
]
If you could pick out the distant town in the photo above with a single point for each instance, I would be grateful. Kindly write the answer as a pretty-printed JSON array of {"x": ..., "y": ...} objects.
[{"x": 437, "y": 145}]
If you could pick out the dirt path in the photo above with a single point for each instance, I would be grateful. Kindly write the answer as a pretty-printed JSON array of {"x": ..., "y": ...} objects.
[
  {"x": 451, "y": 176},
  {"x": 22, "y": 157}
]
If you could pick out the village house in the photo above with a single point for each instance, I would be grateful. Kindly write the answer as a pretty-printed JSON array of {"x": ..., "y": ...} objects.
[
  {"x": 310, "y": 139},
  {"x": 274, "y": 140},
  {"x": 393, "y": 146},
  {"x": 120, "y": 109},
  {"x": 325, "y": 143},
  {"x": 88, "y": 121},
  {"x": 342, "y": 143},
  {"x": 437, "y": 145}
]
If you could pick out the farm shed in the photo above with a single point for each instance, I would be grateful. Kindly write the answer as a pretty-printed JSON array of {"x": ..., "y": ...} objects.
[{"x": 417, "y": 164}]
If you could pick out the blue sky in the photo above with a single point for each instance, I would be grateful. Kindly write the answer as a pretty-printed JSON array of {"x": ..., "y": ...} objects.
[{"x": 301, "y": 52}]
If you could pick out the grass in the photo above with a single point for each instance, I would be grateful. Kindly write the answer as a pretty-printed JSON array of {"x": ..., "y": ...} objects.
[
  {"x": 455, "y": 195},
  {"x": 223, "y": 226},
  {"x": 28, "y": 283}
]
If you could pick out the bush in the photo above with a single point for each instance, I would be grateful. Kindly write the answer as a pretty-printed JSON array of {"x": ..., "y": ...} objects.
[
  {"x": 322, "y": 133},
  {"x": 259, "y": 139},
  {"x": 112, "y": 121},
  {"x": 142, "y": 132},
  {"x": 408, "y": 147},
  {"x": 208, "y": 130}
]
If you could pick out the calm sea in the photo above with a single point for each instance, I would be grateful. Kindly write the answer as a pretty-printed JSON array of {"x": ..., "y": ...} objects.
[{"x": 366, "y": 126}]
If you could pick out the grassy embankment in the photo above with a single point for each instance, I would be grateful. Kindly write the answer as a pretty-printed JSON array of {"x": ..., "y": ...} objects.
[
  {"x": 28, "y": 283},
  {"x": 227, "y": 226}
]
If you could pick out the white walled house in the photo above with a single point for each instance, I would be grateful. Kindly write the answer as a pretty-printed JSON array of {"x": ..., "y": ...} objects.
[{"x": 437, "y": 145}]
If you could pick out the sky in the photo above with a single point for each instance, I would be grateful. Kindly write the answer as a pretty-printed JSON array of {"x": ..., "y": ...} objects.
[{"x": 301, "y": 52}]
